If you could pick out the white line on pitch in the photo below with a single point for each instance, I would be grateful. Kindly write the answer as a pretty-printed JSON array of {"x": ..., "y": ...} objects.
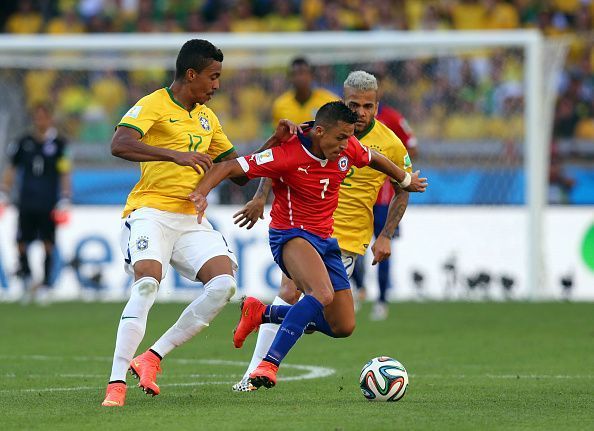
[{"x": 311, "y": 371}]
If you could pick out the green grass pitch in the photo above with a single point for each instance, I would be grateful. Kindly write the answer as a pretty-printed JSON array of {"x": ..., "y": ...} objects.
[{"x": 472, "y": 366}]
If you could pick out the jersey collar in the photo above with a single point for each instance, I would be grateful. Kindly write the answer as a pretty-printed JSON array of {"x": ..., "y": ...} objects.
[
  {"x": 306, "y": 143},
  {"x": 174, "y": 100}
]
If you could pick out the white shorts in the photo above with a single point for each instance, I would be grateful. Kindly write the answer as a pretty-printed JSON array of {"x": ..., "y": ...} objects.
[
  {"x": 171, "y": 238},
  {"x": 348, "y": 260}
]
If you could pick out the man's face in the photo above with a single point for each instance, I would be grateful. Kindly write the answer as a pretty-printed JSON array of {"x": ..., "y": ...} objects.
[
  {"x": 334, "y": 139},
  {"x": 364, "y": 104},
  {"x": 42, "y": 119},
  {"x": 301, "y": 77},
  {"x": 204, "y": 84}
]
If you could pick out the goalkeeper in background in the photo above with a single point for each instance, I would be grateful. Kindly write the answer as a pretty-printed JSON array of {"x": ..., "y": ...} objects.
[{"x": 40, "y": 165}]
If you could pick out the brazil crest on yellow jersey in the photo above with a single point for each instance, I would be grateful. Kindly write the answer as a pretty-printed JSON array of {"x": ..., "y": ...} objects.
[
  {"x": 353, "y": 218},
  {"x": 286, "y": 106},
  {"x": 164, "y": 122}
]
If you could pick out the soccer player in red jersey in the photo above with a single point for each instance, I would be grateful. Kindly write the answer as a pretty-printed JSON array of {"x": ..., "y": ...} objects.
[{"x": 307, "y": 171}]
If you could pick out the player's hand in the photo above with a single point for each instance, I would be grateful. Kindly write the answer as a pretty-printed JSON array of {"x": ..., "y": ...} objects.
[
  {"x": 61, "y": 212},
  {"x": 200, "y": 203},
  {"x": 382, "y": 249},
  {"x": 285, "y": 129},
  {"x": 250, "y": 213},
  {"x": 4, "y": 202},
  {"x": 417, "y": 184},
  {"x": 193, "y": 159}
]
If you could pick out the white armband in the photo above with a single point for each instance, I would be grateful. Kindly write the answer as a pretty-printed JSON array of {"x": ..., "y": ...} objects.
[{"x": 406, "y": 181}]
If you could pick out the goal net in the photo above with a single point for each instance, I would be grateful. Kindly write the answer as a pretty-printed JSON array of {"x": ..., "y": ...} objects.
[{"x": 480, "y": 105}]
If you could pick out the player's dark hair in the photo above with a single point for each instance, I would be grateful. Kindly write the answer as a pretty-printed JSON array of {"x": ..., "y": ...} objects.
[
  {"x": 41, "y": 106},
  {"x": 333, "y": 112},
  {"x": 196, "y": 54},
  {"x": 300, "y": 61}
]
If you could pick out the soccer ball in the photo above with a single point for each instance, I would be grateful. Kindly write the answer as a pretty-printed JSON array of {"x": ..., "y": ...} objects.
[{"x": 383, "y": 379}]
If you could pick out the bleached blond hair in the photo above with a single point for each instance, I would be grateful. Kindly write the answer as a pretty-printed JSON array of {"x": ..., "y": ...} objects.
[{"x": 361, "y": 81}]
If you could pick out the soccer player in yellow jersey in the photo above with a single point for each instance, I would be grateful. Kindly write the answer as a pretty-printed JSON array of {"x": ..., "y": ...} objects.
[
  {"x": 301, "y": 103},
  {"x": 353, "y": 218},
  {"x": 176, "y": 138}
]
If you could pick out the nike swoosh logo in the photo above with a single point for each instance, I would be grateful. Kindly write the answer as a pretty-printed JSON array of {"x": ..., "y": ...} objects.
[
  {"x": 173, "y": 121},
  {"x": 129, "y": 317}
]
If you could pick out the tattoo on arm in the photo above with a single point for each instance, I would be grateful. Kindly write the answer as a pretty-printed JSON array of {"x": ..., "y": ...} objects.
[
  {"x": 263, "y": 188},
  {"x": 396, "y": 211}
]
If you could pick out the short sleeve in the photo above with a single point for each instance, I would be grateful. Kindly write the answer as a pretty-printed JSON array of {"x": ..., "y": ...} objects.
[
  {"x": 64, "y": 163},
  {"x": 141, "y": 116},
  {"x": 361, "y": 156},
  {"x": 220, "y": 146},
  {"x": 271, "y": 163}
]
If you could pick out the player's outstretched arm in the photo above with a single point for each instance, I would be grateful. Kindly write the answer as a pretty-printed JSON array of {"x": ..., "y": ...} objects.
[
  {"x": 126, "y": 144},
  {"x": 219, "y": 172},
  {"x": 284, "y": 130},
  {"x": 382, "y": 247},
  {"x": 406, "y": 181}
]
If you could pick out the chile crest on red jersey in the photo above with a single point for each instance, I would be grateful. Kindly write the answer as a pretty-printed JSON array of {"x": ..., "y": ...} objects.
[{"x": 305, "y": 186}]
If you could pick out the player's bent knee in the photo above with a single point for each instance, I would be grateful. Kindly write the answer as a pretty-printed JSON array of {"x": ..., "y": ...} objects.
[
  {"x": 344, "y": 330},
  {"x": 145, "y": 286},
  {"x": 221, "y": 287}
]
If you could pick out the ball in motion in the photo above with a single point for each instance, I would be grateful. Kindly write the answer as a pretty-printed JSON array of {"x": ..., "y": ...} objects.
[{"x": 383, "y": 379}]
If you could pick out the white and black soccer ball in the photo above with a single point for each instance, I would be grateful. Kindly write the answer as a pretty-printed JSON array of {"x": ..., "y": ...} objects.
[{"x": 383, "y": 379}]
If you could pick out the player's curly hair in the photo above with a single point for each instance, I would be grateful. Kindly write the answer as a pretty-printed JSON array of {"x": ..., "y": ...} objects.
[
  {"x": 333, "y": 112},
  {"x": 196, "y": 54}
]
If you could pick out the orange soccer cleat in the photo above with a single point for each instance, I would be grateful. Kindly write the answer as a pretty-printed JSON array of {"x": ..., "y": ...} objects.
[
  {"x": 252, "y": 311},
  {"x": 145, "y": 368},
  {"x": 264, "y": 375},
  {"x": 115, "y": 395}
]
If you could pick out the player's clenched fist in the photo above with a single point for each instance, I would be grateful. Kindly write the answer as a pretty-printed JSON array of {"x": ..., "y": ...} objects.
[
  {"x": 200, "y": 203},
  {"x": 193, "y": 159}
]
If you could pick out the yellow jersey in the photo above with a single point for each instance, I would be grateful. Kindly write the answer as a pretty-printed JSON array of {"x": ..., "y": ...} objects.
[
  {"x": 286, "y": 106},
  {"x": 164, "y": 122},
  {"x": 353, "y": 218}
]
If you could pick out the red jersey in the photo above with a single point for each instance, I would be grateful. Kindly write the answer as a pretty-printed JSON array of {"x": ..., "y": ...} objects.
[
  {"x": 398, "y": 124},
  {"x": 305, "y": 186}
]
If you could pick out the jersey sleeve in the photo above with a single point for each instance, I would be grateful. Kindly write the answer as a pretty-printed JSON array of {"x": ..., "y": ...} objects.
[
  {"x": 64, "y": 163},
  {"x": 360, "y": 154},
  {"x": 15, "y": 153},
  {"x": 399, "y": 156},
  {"x": 220, "y": 145},
  {"x": 270, "y": 163},
  {"x": 141, "y": 116}
]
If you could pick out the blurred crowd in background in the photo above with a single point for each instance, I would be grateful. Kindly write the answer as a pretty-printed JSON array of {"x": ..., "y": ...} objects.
[{"x": 462, "y": 99}]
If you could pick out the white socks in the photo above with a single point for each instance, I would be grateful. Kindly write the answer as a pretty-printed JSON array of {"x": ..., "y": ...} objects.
[
  {"x": 217, "y": 293},
  {"x": 266, "y": 335},
  {"x": 132, "y": 325}
]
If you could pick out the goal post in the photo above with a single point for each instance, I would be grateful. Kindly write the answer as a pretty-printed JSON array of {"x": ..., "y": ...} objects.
[{"x": 255, "y": 52}]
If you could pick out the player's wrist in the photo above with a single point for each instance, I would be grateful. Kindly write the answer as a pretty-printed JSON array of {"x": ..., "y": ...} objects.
[
  {"x": 406, "y": 181},
  {"x": 387, "y": 235}
]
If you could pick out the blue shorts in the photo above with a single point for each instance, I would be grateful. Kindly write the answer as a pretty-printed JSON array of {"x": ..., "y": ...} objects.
[{"x": 327, "y": 248}]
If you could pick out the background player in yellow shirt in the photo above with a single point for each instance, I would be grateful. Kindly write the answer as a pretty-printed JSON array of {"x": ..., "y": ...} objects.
[
  {"x": 353, "y": 218},
  {"x": 301, "y": 103},
  {"x": 174, "y": 136}
]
